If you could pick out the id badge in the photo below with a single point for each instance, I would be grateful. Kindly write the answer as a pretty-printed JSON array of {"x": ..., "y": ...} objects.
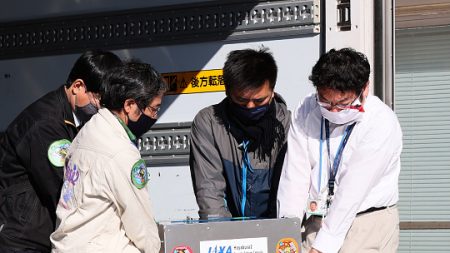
[{"x": 316, "y": 206}]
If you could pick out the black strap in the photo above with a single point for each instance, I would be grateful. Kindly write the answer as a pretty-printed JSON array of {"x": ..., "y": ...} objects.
[
  {"x": 337, "y": 159},
  {"x": 372, "y": 209}
]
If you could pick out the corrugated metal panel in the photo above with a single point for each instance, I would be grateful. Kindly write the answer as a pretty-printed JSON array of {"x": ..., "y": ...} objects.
[
  {"x": 422, "y": 103},
  {"x": 424, "y": 241}
]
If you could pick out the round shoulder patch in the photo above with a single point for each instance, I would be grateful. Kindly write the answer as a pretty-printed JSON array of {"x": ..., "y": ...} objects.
[
  {"x": 139, "y": 174},
  {"x": 57, "y": 152}
]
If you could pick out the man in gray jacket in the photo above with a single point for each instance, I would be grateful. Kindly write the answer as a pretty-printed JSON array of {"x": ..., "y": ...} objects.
[{"x": 238, "y": 145}]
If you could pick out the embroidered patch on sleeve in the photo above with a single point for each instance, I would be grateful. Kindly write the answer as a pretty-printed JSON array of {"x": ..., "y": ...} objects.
[
  {"x": 57, "y": 152},
  {"x": 69, "y": 191},
  {"x": 139, "y": 174}
]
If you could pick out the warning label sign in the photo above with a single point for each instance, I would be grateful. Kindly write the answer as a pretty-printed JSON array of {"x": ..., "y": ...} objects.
[{"x": 194, "y": 81}]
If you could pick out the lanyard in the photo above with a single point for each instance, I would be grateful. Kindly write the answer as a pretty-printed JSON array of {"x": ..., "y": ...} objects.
[
  {"x": 246, "y": 165},
  {"x": 337, "y": 159},
  {"x": 320, "y": 157}
]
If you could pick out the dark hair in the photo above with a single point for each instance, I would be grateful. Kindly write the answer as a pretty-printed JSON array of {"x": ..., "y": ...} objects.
[
  {"x": 91, "y": 67},
  {"x": 343, "y": 70},
  {"x": 134, "y": 80},
  {"x": 249, "y": 69}
]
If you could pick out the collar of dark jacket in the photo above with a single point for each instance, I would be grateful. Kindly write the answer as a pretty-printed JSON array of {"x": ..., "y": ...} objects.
[{"x": 67, "y": 109}]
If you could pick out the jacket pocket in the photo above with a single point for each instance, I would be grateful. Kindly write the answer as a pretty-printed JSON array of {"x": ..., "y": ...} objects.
[{"x": 16, "y": 211}]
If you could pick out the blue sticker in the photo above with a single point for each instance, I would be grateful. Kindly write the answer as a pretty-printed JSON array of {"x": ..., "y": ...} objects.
[{"x": 139, "y": 174}]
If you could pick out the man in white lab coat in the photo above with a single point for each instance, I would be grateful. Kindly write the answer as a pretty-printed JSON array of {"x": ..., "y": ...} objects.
[
  {"x": 104, "y": 204},
  {"x": 343, "y": 153}
]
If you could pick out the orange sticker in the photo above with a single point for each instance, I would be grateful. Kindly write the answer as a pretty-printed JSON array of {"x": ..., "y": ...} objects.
[{"x": 287, "y": 245}]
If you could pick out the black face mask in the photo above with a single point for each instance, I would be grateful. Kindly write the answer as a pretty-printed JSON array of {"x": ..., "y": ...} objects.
[
  {"x": 141, "y": 126},
  {"x": 85, "y": 113},
  {"x": 249, "y": 114}
]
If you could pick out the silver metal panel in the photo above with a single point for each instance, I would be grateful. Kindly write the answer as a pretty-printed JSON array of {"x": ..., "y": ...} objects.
[
  {"x": 172, "y": 139},
  {"x": 30, "y": 9},
  {"x": 357, "y": 32},
  {"x": 176, "y": 24},
  {"x": 193, "y": 233},
  {"x": 383, "y": 67},
  {"x": 25, "y": 80},
  {"x": 171, "y": 193}
]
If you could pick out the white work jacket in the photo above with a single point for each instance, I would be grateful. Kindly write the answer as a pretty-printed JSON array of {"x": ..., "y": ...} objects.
[{"x": 104, "y": 204}]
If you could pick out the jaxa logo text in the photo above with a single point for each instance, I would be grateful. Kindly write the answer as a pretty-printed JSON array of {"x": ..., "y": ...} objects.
[
  {"x": 229, "y": 249},
  {"x": 220, "y": 249}
]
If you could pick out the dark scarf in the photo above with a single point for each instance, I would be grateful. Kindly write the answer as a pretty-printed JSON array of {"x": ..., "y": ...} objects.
[{"x": 262, "y": 134}]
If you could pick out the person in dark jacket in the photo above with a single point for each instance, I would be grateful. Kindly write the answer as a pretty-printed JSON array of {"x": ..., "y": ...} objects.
[
  {"x": 32, "y": 152},
  {"x": 238, "y": 145}
]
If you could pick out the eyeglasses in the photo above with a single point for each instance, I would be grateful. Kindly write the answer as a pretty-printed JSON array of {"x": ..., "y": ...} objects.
[
  {"x": 352, "y": 105},
  {"x": 154, "y": 110}
]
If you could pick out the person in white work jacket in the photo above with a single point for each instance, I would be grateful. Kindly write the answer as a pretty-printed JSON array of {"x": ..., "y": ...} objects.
[
  {"x": 343, "y": 153},
  {"x": 104, "y": 204}
]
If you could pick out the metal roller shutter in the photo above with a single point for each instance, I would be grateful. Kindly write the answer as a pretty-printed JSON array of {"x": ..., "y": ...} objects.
[{"x": 422, "y": 103}]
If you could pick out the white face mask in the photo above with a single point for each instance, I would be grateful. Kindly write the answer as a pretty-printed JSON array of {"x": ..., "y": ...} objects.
[
  {"x": 348, "y": 114},
  {"x": 342, "y": 117}
]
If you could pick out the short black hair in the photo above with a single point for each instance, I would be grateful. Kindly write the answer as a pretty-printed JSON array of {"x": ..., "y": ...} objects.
[
  {"x": 91, "y": 67},
  {"x": 343, "y": 70},
  {"x": 249, "y": 69},
  {"x": 133, "y": 80}
]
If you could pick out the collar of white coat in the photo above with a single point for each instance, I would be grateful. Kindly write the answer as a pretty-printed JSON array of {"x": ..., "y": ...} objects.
[{"x": 112, "y": 120}]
